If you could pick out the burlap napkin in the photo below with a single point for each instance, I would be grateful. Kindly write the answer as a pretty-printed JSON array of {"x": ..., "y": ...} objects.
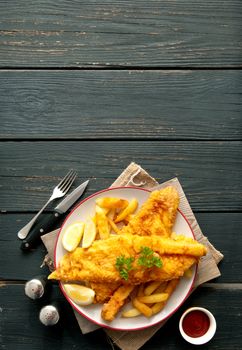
[{"x": 134, "y": 175}]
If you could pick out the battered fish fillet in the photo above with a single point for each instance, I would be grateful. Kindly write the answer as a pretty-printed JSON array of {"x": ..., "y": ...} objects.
[
  {"x": 103, "y": 291},
  {"x": 156, "y": 216},
  {"x": 97, "y": 263}
]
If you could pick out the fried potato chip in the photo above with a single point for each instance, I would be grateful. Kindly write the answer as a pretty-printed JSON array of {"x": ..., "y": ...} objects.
[
  {"x": 151, "y": 287},
  {"x": 110, "y": 203},
  {"x": 144, "y": 309},
  {"x": 114, "y": 227},
  {"x": 130, "y": 209},
  {"x": 111, "y": 213},
  {"x": 153, "y": 298},
  {"x": 102, "y": 223},
  {"x": 169, "y": 289},
  {"x": 157, "y": 307},
  {"x": 128, "y": 218},
  {"x": 131, "y": 313}
]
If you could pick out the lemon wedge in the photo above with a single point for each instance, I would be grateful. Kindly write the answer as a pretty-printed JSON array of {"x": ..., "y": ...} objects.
[
  {"x": 90, "y": 232},
  {"x": 81, "y": 295},
  {"x": 73, "y": 236}
]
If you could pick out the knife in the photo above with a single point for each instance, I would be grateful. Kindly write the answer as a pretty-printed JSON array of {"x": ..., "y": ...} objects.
[{"x": 48, "y": 221}]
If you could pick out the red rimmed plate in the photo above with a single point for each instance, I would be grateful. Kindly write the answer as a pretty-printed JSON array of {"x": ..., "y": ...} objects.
[{"x": 85, "y": 209}]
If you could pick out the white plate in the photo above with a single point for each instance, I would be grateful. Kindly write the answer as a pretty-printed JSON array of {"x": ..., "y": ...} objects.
[{"x": 93, "y": 312}]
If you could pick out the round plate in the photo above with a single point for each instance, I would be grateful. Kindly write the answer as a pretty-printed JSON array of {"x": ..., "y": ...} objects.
[{"x": 92, "y": 312}]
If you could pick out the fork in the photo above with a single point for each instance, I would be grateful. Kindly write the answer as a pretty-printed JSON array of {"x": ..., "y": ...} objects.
[{"x": 59, "y": 191}]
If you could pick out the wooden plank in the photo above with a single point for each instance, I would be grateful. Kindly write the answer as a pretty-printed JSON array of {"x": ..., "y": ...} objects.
[
  {"x": 210, "y": 172},
  {"x": 21, "y": 329},
  {"x": 14, "y": 263},
  {"x": 121, "y": 104},
  {"x": 224, "y": 304},
  {"x": 222, "y": 229},
  {"x": 106, "y": 33},
  {"x": 19, "y": 315}
]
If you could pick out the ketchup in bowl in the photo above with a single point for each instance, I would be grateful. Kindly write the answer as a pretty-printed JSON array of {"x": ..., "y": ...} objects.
[{"x": 197, "y": 325}]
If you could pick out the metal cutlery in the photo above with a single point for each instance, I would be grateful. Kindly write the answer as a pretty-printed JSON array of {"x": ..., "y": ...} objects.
[
  {"x": 59, "y": 191},
  {"x": 48, "y": 221}
]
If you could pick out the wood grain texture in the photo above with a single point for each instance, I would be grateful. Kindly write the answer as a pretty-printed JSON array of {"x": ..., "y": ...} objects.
[
  {"x": 21, "y": 329},
  {"x": 121, "y": 33},
  {"x": 228, "y": 334},
  {"x": 210, "y": 172},
  {"x": 17, "y": 309},
  {"x": 221, "y": 229},
  {"x": 14, "y": 263},
  {"x": 121, "y": 104},
  {"x": 101, "y": 84}
]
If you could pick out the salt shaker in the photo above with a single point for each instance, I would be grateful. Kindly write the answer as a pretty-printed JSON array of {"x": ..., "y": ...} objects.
[
  {"x": 49, "y": 315},
  {"x": 35, "y": 288}
]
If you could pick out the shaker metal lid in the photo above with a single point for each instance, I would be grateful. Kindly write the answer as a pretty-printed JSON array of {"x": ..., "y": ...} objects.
[
  {"x": 49, "y": 315},
  {"x": 34, "y": 288}
]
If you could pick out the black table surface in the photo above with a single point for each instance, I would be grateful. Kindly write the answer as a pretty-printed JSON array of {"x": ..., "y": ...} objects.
[{"x": 95, "y": 85}]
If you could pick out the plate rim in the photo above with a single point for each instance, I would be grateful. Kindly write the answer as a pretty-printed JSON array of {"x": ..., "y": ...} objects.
[{"x": 73, "y": 304}]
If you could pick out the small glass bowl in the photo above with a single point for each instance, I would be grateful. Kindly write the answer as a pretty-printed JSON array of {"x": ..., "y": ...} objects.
[{"x": 204, "y": 338}]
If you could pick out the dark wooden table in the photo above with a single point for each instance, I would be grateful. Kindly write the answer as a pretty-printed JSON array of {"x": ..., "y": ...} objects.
[{"x": 94, "y": 85}]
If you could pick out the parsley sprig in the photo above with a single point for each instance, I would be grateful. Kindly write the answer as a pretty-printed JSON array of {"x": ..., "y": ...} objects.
[
  {"x": 124, "y": 265},
  {"x": 148, "y": 259}
]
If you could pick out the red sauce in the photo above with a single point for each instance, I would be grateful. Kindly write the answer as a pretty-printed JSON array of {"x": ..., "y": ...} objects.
[{"x": 196, "y": 323}]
